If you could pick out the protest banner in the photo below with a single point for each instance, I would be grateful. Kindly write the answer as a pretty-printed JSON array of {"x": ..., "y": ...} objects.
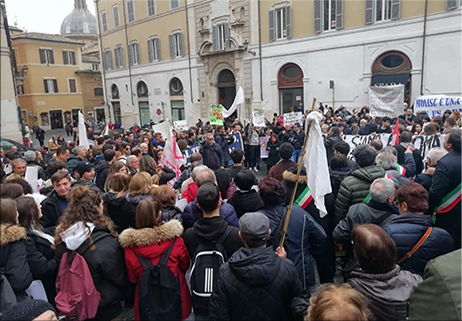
[
  {"x": 162, "y": 128},
  {"x": 236, "y": 143},
  {"x": 180, "y": 125},
  {"x": 189, "y": 151},
  {"x": 258, "y": 118},
  {"x": 292, "y": 118},
  {"x": 216, "y": 115},
  {"x": 435, "y": 105},
  {"x": 263, "y": 142},
  {"x": 386, "y": 101}
]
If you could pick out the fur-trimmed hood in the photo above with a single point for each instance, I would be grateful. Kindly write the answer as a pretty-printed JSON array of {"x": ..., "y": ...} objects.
[
  {"x": 130, "y": 238},
  {"x": 290, "y": 175},
  {"x": 12, "y": 233}
]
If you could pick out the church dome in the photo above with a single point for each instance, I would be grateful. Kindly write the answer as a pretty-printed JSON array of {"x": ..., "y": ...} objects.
[{"x": 80, "y": 22}]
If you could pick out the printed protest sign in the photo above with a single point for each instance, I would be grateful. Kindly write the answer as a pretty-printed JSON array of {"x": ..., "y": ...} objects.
[
  {"x": 180, "y": 125},
  {"x": 292, "y": 118},
  {"x": 386, "y": 100},
  {"x": 263, "y": 143},
  {"x": 435, "y": 105},
  {"x": 216, "y": 115},
  {"x": 258, "y": 118}
]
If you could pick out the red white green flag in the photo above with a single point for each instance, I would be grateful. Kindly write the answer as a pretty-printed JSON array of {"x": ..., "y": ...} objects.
[
  {"x": 401, "y": 170},
  {"x": 450, "y": 200},
  {"x": 304, "y": 199}
]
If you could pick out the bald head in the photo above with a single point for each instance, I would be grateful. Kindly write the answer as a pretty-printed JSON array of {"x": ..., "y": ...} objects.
[{"x": 205, "y": 176}]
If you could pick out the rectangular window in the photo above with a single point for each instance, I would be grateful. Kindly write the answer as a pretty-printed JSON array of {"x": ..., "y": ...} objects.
[
  {"x": 154, "y": 49},
  {"x": 174, "y": 4},
  {"x": 51, "y": 86},
  {"x": 46, "y": 56},
  {"x": 329, "y": 14},
  {"x": 98, "y": 92},
  {"x": 69, "y": 57},
  {"x": 119, "y": 57},
  {"x": 151, "y": 8},
  {"x": 281, "y": 25},
  {"x": 107, "y": 60},
  {"x": 133, "y": 54},
  {"x": 95, "y": 67},
  {"x": 222, "y": 36},
  {"x": 382, "y": 10},
  {"x": 104, "y": 20},
  {"x": 131, "y": 10},
  {"x": 176, "y": 45},
  {"x": 115, "y": 11},
  {"x": 72, "y": 85}
]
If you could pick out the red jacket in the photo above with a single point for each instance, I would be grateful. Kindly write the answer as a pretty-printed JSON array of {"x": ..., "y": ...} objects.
[{"x": 151, "y": 243}]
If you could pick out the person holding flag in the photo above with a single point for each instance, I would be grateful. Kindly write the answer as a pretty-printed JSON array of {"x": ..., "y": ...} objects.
[{"x": 445, "y": 191}]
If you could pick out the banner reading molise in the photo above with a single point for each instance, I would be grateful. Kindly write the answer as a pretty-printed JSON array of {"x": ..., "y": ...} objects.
[{"x": 435, "y": 105}]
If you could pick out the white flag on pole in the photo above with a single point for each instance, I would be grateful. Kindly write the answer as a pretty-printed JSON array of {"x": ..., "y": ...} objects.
[
  {"x": 83, "y": 140},
  {"x": 239, "y": 99}
]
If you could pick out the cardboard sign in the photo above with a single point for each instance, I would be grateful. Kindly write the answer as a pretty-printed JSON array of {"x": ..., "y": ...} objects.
[
  {"x": 258, "y": 118},
  {"x": 386, "y": 100},
  {"x": 180, "y": 125},
  {"x": 216, "y": 115},
  {"x": 293, "y": 117},
  {"x": 263, "y": 142}
]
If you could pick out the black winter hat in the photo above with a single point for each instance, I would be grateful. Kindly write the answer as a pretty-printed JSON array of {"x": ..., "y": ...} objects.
[{"x": 27, "y": 310}]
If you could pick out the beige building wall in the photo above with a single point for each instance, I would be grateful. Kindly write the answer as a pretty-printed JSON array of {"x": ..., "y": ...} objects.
[{"x": 10, "y": 127}]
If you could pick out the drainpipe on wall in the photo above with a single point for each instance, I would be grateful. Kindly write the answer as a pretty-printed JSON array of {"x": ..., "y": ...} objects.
[
  {"x": 259, "y": 53},
  {"x": 423, "y": 49},
  {"x": 103, "y": 72},
  {"x": 129, "y": 67},
  {"x": 189, "y": 52}
]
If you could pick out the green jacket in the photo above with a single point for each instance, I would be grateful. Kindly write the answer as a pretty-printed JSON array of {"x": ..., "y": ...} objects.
[
  {"x": 438, "y": 297},
  {"x": 355, "y": 188}
]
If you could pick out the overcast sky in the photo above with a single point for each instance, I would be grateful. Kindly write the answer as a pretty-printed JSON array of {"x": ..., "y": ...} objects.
[{"x": 41, "y": 15}]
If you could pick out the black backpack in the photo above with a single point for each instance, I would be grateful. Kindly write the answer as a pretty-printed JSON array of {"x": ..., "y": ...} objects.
[
  {"x": 205, "y": 271},
  {"x": 158, "y": 290}
]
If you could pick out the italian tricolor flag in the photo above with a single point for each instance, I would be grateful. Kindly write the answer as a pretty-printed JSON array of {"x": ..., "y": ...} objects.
[
  {"x": 304, "y": 199},
  {"x": 401, "y": 170},
  {"x": 368, "y": 197},
  {"x": 450, "y": 200}
]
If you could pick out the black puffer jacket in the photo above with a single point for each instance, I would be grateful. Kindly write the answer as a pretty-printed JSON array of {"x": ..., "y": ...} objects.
[
  {"x": 128, "y": 218},
  {"x": 245, "y": 202},
  {"x": 114, "y": 207},
  {"x": 171, "y": 213},
  {"x": 42, "y": 262},
  {"x": 255, "y": 284},
  {"x": 107, "y": 267},
  {"x": 51, "y": 210},
  {"x": 336, "y": 177},
  {"x": 13, "y": 263},
  {"x": 101, "y": 170}
]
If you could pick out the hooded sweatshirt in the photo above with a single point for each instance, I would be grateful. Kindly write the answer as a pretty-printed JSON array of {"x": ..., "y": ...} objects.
[{"x": 76, "y": 235}]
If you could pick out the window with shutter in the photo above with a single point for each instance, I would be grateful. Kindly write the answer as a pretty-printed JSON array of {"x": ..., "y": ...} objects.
[
  {"x": 215, "y": 44},
  {"x": 115, "y": 11},
  {"x": 452, "y": 4},
  {"x": 339, "y": 15},
  {"x": 151, "y": 50},
  {"x": 65, "y": 58},
  {"x": 46, "y": 56},
  {"x": 137, "y": 51},
  {"x": 131, "y": 10},
  {"x": 171, "y": 44},
  {"x": 130, "y": 55},
  {"x": 72, "y": 86},
  {"x": 288, "y": 26},
  {"x": 174, "y": 4},
  {"x": 317, "y": 16},
  {"x": 157, "y": 47},
  {"x": 272, "y": 29},
  {"x": 226, "y": 41},
  {"x": 104, "y": 20},
  {"x": 395, "y": 9},
  {"x": 281, "y": 23},
  {"x": 45, "y": 85},
  {"x": 329, "y": 14},
  {"x": 180, "y": 45},
  {"x": 369, "y": 14},
  {"x": 69, "y": 57},
  {"x": 42, "y": 56},
  {"x": 55, "y": 85},
  {"x": 151, "y": 8}
]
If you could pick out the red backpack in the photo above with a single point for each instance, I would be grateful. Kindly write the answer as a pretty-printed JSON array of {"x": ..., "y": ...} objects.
[{"x": 77, "y": 297}]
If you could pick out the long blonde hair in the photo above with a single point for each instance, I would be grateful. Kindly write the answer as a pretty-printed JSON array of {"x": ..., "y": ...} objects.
[
  {"x": 115, "y": 168},
  {"x": 140, "y": 184}
]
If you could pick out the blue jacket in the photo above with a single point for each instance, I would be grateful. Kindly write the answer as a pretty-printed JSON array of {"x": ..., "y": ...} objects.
[
  {"x": 304, "y": 235},
  {"x": 213, "y": 151},
  {"x": 193, "y": 213},
  {"x": 407, "y": 229}
]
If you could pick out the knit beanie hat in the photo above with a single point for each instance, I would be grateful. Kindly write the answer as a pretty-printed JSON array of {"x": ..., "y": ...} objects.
[{"x": 27, "y": 310}]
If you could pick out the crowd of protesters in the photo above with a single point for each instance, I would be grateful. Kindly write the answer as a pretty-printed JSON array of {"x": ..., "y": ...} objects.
[{"x": 392, "y": 230}]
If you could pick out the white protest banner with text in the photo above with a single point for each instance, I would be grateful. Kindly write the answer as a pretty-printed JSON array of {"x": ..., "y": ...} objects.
[
  {"x": 292, "y": 118},
  {"x": 386, "y": 100},
  {"x": 435, "y": 105}
]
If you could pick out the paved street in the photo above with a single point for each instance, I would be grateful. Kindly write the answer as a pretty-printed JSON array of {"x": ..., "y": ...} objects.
[{"x": 49, "y": 134}]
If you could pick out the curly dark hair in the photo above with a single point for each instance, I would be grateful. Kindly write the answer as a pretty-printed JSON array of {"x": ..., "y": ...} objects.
[{"x": 271, "y": 191}]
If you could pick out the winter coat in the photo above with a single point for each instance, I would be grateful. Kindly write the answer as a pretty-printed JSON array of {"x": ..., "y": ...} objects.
[
  {"x": 387, "y": 293},
  {"x": 151, "y": 243},
  {"x": 297, "y": 139},
  {"x": 416, "y": 154},
  {"x": 255, "y": 284},
  {"x": 355, "y": 188},
  {"x": 42, "y": 262},
  {"x": 336, "y": 177},
  {"x": 277, "y": 170},
  {"x": 40, "y": 171},
  {"x": 101, "y": 172},
  {"x": 362, "y": 213},
  {"x": 407, "y": 229},
  {"x": 86, "y": 182},
  {"x": 72, "y": 163},
  {"x": 329, "y": 145},
  {"x": 234, "y": 170},
  {"x": 209, "y": 230},
  {"x": 166, "y": 175},
  {"x": 425, "y": 180},
  {"x": 191, "y": 192},
  {"x": 193, "y": 213},
  {"x": 52, "y": 146},
  {"x": 245, "y": 202},
  {"x": 400, "y": 178},
  {"x": 129, "y": 210},
  {"x": 273, "y": 153},
  {"x": 107, "y": 268},
  {"x": 171, "y": 213},
  {"x": 212, "y": 156},
  {"x": 114, "y": 208},
  {"x": 304, "y": 235},
  {"x": 52, "y": 210},
  {"x": 443, "y": 278},
  {"x": 40, "y": 134},
  {"x": 222, "y": 141},
  {"x": 13, "y": 259},
  {"x": 446, "y": 179}
]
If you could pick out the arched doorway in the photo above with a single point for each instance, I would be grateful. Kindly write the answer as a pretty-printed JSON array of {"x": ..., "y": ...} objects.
[
  {"x": 290, "y": 84},
  {"x": 227, "y": 90},
  {"x": 143, "y": 103},
  {"x": 116, "y": 104},
  {"x": 393, "y": 67},
  {"x": 177, "y": 99}
]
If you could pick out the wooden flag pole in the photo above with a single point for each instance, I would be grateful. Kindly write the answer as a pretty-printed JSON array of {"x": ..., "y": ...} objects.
[{"x": 294, "y": 190}]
